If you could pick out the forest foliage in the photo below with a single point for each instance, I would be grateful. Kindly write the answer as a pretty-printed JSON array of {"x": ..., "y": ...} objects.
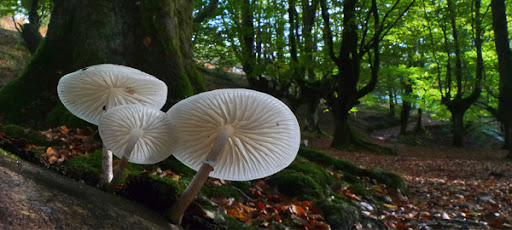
[{"x": 428, "y": 52}]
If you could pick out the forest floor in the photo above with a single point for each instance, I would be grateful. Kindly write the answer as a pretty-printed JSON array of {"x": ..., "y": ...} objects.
[{"x": 448, "y": 187}]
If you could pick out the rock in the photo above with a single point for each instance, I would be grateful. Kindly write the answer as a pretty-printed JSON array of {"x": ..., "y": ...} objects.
[{"x": 33, "y": 197}]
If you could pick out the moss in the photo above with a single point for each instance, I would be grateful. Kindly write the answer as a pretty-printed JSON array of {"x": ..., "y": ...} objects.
[
  {"x": 351, "y": 172},
  {"x": 226, "y": 191},
  {"x": 294, "y": 184},
  {"x": 388, "y": 178},
  {"x": 155, "y": 192},
  {"x": 232, "y": 223},
  {"x": 5, "y": 153},
  {"x": 91, "y": 163},
  {"x": 358, "y": 189},
  {"x": 59, "y": 115},
  {"x": 37, "y": 138},
  {"x": 177, "y": 187},
  {"x": 33, "y": 137},
  {"x": 176, "y": 166},
  {"x": 350, "y": 178},
  {"x": 326, "y": 160},
  {"x": 316, "y": 172},
  {"x": 339, "y": 214},
  {"x": 14, "y": 131},
  {"x": 244, "y": 186},
  {"x": 131, "y": 169}
]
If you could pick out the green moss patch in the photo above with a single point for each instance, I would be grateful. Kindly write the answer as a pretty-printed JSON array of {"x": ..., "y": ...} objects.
[
  {"x": 295, "y": 184},
  {"x": 388, "y": 178},
  {"x": 227, "y": 191},
  {"x": 91, "y": 163},
  {"x": 8, "y": 154},
  {"x": 16, "y": 131},
  {"x": 176, "y": 166},
  {"x": 59, "y": 115}
]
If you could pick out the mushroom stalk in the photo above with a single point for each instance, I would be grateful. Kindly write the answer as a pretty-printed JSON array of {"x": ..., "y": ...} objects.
[
  {"x": 132, "y": 141},
  {"x": 106, "y": 158},
  {"x": 106, "y": 167},
  {"x": 178, "y": 209}
]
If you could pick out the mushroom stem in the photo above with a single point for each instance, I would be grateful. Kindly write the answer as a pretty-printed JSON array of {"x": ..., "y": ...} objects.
[
  {"x": 106, "y": 158},
  {"x": 106, "y": 167},
  {"x": 178, "y": 209},
  {"x": 134, "y": 138}
]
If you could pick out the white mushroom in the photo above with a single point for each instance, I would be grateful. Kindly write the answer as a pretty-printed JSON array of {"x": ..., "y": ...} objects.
[
  {"x": 91, "y": 91},
  {"x": 137, "y": 134},
  {"x": 232, "y": 134}
]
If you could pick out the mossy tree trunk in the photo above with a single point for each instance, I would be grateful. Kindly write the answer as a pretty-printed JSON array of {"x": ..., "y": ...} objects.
[{"x": 153, "y": 36}]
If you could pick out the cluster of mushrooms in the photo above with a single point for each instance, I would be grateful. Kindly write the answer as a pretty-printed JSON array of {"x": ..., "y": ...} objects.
[{"x": 230, "y": 134}]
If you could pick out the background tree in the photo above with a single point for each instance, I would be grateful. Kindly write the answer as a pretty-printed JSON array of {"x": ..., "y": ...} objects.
[
  {"x": 467, "y": 89},
  {"x": 34, "y": 12},
  {"x": 499, "y": 22},
  {"x": 354, "y": 45}
]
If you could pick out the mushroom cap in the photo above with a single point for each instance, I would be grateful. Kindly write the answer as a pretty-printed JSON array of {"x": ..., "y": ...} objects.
[
  {"x": 265, "y": 139},
  {"x": 86, "y": 93},
  {"x": 158, "y": 140}
]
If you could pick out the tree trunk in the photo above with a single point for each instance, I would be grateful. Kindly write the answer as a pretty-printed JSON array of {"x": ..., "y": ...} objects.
[
  {"x": 419, "y": 126},
  {"x": 404, "y": 117},
  {"x": 343, "y": 136},
  {"x": 499, "y": 22},
  {"x": 153, "y": 36},
  {"x": 505, "y": 130},
  {"x": 391, "y": 103},
  {"x": 459, "y": 105},
  {"x": 508, "y": 137},
  {"x": 348, "y": 76},
  {"x": 30, "y": 31},
  {"x": 406, "y": 107},
  {"x": 311, "y": 114},
  {"x": 458, "y": 128}
]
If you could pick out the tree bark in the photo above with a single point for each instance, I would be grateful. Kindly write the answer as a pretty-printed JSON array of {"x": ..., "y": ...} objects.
[
  {"x": 419, "y": 126},
  {"x": 499, "y": 22},
  {"x": 153, "y": 36},
  {"x": 458, "y": 128},
  {"x": 458, "y": 105},
  {"x": 30, "y": 31},
  {"x": 341, "y": 128},
  {"x": 391, "y": 102},
  {"x": 406, "y": 107},
  {"x": 348, "y": 76}
]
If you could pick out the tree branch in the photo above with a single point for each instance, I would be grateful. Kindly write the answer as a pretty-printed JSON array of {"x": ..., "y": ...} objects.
[
  {"x": 328, "y": 32},
  {"x": 207, "y": 11}
]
